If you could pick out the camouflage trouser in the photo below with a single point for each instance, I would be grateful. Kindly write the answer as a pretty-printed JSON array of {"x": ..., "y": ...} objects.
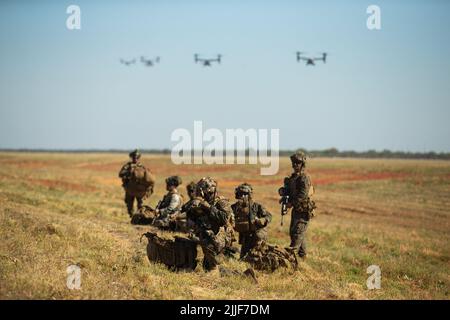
[
  {"x": 297, "y": 231},
  {"x": 179, "y": 222},
  {"x": 213, "y": 247},
  {"x": 129, "y": 200},
  {"x": 249, "y": 240}
]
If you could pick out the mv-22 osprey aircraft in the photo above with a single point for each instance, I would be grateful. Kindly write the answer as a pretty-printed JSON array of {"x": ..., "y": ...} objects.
[
  {"x": 311, "y": 61},
  {"x": 207, "y": 62}
]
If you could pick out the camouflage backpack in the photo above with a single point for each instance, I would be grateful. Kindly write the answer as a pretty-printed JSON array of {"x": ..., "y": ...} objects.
[
  {"x": 144, "y": 215},
  {"x": 177, "y": 253},
  {"x": 267, "y": 257},
  {"x": 141, "y": 179}
]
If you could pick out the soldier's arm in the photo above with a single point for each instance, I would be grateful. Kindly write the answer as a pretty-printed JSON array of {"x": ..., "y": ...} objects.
[
  {"x": 124, "y": 171},
  {"x": 173, "y": 206},
  {"x": 221, "y": 212},
  {"x": 264, "y": 214}
]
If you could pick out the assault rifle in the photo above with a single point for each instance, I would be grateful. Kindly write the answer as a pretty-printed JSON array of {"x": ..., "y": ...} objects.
[
  {"x": 284, "y": 193},
  {"x": 154, "y": 210}
]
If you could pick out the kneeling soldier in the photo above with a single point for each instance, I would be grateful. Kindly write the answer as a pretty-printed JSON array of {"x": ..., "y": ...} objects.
[
  {"x": 169, "y": 205},
  {"x": 212, "y": 220},
  {"x": 181, "y": 223},
  {"x": 251, "y": 219}
]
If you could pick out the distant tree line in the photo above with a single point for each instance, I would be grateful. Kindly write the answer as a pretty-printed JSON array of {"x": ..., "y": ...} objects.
[
  {"x": 332, "y": 152},
  {"x": 373, "y": 154}
]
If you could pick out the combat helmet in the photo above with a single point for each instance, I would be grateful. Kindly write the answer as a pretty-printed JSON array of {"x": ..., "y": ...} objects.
[
  {"x": 299, "y": 157},
  {"x": 243, "y": 188},
  {"x": 206, "y": 186},
  {"x": 135, "y": 153}
]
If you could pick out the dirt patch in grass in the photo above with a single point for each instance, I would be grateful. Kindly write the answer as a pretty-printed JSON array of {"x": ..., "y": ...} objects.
[
  {"x": 208, "y": 170},
  {"x": 235, "y": 182},
  {"x": 58, "y": 184},
  {"x": 360, "y": 177},
  {"x": 109, "y": 181},
  {"x": 30, "y": 164},
  {"x": 106, "y": 167}
]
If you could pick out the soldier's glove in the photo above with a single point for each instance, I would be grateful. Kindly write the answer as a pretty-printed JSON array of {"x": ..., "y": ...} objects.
[
  {"x": 196, "y": 203},
  {"x": 205, "y": 205},
  {"x": 209, "y": 233},
  {"x": 195, "y": 209}
]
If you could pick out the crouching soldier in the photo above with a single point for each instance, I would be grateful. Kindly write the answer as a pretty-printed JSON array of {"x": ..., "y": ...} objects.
[
  {"x": 170, "y": 205},
  {"x": 180, "y": 221},
  {"x": 251, "y": 219},
  {"x": 298, "y": 191},
  {"x": 137, "y": 182},
  {"x": 212, "y": 219}
]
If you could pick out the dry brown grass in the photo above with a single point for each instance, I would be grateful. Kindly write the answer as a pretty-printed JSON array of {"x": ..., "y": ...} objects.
[{"x": 62, "y": 209}]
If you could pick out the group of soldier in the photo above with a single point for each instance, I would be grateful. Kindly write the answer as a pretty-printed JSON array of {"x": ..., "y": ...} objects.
[{"x": 212, "y": 219}]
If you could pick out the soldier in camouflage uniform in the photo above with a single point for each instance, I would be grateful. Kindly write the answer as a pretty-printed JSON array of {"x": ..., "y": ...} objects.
[
  {"x": 181, "y": 222},
  {"x": 212, "y": 219},
  {"x": 126, "y": 174},
  {"x": 299, "y": 189},
  {"x": 191, "y": 190},
  {"x": 170, "y": 205},
  {"x": 251, "y": 219}
]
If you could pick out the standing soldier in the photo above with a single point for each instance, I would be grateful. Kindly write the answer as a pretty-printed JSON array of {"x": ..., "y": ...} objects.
[
  {"x": 170, "y": 205},
  {"x": 297, "y": 191},
  {"x": 212, "y": 217},
  {"x": 251, "y": 219},
  {"x": 137, "y": 181}
]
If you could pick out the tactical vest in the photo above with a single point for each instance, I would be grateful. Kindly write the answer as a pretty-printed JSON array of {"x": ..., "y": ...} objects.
[
  {"x": 306, "y": 205},
  {"x": 244, "y": 217},
  {"x": 165, "y": 202}
]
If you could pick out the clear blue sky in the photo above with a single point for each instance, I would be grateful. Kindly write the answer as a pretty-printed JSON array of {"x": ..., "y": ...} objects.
[{"x": 379, "y": 89}]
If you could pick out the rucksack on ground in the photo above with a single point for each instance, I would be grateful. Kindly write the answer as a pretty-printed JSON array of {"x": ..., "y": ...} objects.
[
  {"x": 266, "y": 257},
  {"x": 177, "y": 252},
  {"x": 144, "y": 216}
]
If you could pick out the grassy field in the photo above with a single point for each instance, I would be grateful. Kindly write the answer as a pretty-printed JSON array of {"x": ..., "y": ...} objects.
[{"x": 63, "y": 209}]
